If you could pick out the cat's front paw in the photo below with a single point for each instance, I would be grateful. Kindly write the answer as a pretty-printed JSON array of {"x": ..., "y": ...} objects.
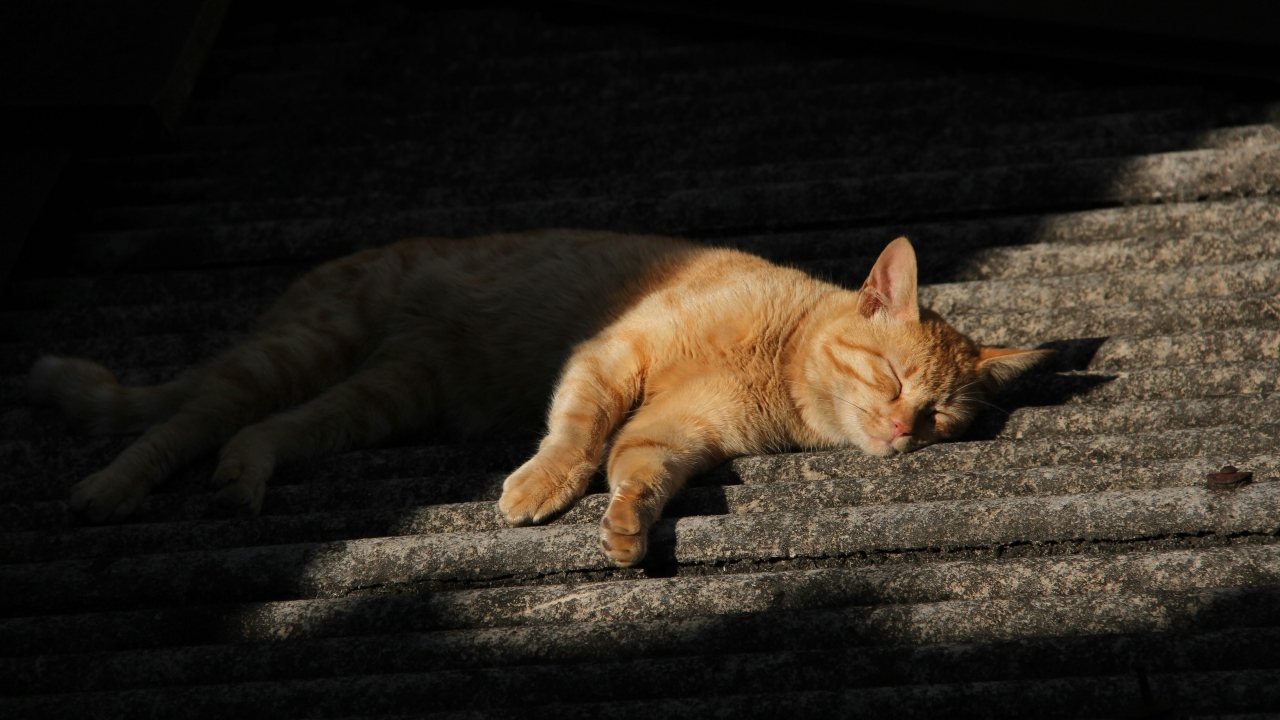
[
  {"x": 543, "y": 488},
  {"x": 624, "y": 536},
  {"x": 106, "y": 496}
]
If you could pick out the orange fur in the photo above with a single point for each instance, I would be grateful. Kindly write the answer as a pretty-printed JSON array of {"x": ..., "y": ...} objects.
[{"x": 670, "y": 355}]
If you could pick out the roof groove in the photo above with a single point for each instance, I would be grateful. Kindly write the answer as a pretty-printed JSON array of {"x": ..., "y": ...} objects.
[{"x": 1048, "y": 564}]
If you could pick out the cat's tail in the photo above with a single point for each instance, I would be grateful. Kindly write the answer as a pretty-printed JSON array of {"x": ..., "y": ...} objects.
[{"x": 90, "y": 395}]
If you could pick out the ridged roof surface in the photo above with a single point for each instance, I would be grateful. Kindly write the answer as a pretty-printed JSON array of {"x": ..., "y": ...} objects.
[{"x": 1063, "y": 560}]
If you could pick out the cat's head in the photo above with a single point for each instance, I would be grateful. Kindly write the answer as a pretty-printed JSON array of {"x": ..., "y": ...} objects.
[{"x": 892, "y": 377}]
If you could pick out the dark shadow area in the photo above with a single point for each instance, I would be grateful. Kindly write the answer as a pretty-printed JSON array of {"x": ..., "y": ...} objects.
[
  {"x": 1075, "y": 354},
  {"x": 1192, "y": 37},
  {"x": 1054, "y": 382},
  {"x": 1105, "y": 654}
]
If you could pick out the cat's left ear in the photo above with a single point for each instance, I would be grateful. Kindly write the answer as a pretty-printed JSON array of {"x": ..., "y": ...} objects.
[
  {"x": 1004, "y": 364},
  {"x": 891, "y": 286}
]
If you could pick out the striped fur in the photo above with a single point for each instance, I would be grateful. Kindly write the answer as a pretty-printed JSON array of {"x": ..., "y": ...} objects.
[{"x": 661, "y": 358}]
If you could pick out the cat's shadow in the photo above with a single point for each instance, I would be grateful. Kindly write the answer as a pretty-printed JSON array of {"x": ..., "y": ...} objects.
[{"x": 1057, "y": 381}]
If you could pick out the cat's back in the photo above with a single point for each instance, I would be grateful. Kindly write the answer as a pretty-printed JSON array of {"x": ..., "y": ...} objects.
[
  {"x": 547, "y": 287},
  {"x": 589, "y": 279},
  {"x": 577, "y": 282},
  {"x": 567, "y": 284},
  {"x": 722, "y": 299}
]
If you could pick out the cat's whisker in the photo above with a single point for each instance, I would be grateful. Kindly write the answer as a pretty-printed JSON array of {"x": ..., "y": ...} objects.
[
  {"x": 830, "y": 394},
  {"x": 982, "y": 402},
  {"x": 837, "y": 397},
  {"x": 956, "y": 393}
]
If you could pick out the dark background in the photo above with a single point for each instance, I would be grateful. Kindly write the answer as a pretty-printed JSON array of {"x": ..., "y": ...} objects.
[{"x": 92, "y": 78}]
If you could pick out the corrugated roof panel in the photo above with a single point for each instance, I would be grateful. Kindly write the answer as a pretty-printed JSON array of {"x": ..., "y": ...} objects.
[{"x": 1065, "y": 559}]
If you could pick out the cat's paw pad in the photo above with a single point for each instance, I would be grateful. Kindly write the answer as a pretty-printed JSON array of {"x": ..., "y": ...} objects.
[
  {"x": 540, "y": 490},
  {"x": 106, "y": 497},
  {"x": 623, "y": 532},
  {"x": 622, "y": 549}
]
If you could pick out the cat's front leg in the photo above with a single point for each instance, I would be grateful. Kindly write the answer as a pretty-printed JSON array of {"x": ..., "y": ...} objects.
[
  {"x": 680, "y": 434},
  {"x": 599, "y": 385},
  {"x": 547, "y": 484}
]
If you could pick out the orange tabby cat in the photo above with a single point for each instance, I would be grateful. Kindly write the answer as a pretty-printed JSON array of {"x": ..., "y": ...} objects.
[{"x": 672, "y": 355}]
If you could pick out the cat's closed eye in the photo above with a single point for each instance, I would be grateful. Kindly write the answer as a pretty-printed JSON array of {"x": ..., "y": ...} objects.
[{"x": 945, "y": 423}]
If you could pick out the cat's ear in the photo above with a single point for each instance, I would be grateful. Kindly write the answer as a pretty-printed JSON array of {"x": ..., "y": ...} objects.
[
  {"x": 891, "y": 286},
  {"x": 1004, "y": 364}
]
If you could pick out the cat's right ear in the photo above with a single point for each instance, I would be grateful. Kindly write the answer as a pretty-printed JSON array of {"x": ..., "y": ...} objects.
[{"x": 891, "y": 286}]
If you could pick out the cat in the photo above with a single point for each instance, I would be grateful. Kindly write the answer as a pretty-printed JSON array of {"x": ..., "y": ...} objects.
[{"x": 667, "y": 356}]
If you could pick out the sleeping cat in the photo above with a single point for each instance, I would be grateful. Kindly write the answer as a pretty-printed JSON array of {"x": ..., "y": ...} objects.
[{"x": 667, "y": 356}]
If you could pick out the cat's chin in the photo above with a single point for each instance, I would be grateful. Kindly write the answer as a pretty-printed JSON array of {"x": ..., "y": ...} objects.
[
  {"x": 879, "y": 448},
  {"x": 889, "y": 448}
]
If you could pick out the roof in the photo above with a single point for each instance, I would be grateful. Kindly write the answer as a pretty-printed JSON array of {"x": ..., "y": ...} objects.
[{"x": 1065, "y": 559}]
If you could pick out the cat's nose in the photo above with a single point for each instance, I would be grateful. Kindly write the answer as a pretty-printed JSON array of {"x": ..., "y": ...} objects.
[{"x": 900, "y": 426}]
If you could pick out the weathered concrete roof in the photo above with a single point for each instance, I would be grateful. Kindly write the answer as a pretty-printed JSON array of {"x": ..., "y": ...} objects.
[{"x": 1064, "y": 560}]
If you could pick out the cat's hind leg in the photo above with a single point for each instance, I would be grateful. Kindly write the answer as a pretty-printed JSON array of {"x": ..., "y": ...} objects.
[
  {"x": 396, "y": 392},
  {"x": 599, "y": 385},
  {"x": 200, "y": 410}
]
